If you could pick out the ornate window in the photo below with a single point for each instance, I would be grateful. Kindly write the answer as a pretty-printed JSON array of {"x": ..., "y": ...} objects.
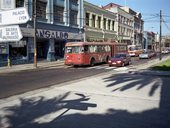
[
  {"x": 19, "y": 3},
  {"x": 73, "y": 17},
  {"x": 87, "y": 19},
  {"x": 104, "y": 23},
  {"x": 109, "y": 24},
  {"x": 93, "y": 21},
  {"x": 41, "y": 9},
  {"x": 74, "y": 2},
  {"x": 58, "y": 14},
  {"x": 99, "y": 22},
  {"x": 113, "y": 25}
]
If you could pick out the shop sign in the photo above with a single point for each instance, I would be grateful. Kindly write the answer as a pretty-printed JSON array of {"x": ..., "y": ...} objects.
[
  {"x": 52, "y": 34},
  {"x": 18, "y": 16},
  {"x": 10, "y": 33}
]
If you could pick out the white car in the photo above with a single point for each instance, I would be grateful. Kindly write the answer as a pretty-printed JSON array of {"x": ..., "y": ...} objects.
[
  {"x": 145, "y": 55},
  {"x": 165, "y": 51}
]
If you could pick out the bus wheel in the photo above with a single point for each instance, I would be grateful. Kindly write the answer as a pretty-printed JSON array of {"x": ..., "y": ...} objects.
[{"x": 92, "y": 62}]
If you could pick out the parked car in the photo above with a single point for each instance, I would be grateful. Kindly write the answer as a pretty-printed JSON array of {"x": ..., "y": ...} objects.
[
  {"x": 120, "y": 59},
  {"x": 145, "y": 55},
  {"x": 165, "y": 51},
  {"x": 153, "y": 53}
]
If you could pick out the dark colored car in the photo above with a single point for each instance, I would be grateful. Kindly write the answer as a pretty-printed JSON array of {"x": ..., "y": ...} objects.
[
  {"x": 147, "y": 55},
  {"x": 120, "y": 59}
]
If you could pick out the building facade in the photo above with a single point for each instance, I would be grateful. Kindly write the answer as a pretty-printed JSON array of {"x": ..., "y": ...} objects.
[
  {"x": 124, "y": 25},
  {"x": 138, "y": 26},
  {"x": 58, "y": 22},
  {"x": 166, "y": 41},
  {"x": 150, "y": 41},
  {"x": 99, "y": 24}
]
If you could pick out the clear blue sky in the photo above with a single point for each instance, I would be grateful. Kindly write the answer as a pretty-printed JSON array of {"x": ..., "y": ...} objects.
[{"x": 150, "y": 10}]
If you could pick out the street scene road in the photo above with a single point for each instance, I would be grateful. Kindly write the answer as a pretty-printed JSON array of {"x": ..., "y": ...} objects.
[
  {"x": 84, "y": 64},
  {"x": 19, "y": 82}
]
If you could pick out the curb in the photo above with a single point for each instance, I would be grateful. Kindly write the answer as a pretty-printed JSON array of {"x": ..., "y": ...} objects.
[{"x": 41, "y": 65}]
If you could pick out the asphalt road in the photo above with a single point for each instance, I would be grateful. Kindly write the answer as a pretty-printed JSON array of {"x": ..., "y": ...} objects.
[{"x": 20, "y": 82}]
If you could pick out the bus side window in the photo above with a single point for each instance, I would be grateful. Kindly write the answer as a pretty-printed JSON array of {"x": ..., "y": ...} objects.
[
  {"x": 86, "y": 48},
  {"x": 81, "y": 49}
]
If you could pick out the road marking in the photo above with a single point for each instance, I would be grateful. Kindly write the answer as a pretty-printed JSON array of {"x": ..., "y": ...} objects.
[{"x": 121, "y": 69}]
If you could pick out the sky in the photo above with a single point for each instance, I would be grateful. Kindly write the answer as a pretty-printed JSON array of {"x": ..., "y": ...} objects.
[{"x": 150, "y": 10}]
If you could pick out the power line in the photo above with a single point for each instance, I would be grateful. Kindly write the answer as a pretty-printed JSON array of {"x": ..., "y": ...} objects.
[
  {"x": 150, "y": 18},
  {"x": 166, "y": 25}
]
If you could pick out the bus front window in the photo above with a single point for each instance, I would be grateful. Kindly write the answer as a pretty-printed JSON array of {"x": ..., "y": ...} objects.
[
  {"x": 68, "y": 49},
  {"x": 74, "y": 49}
]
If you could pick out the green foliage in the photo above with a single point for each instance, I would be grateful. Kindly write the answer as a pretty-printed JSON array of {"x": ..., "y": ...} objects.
[{"x": 164, "y": 66}]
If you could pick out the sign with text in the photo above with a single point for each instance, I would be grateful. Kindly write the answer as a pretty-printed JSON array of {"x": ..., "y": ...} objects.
[
  {"x": 14, "y": 16},
  {"x": 10, "y": 33}
]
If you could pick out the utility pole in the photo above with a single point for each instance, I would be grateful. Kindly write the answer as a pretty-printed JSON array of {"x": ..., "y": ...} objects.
[
  {"x": 160, "y": 36},
  {"x": 35, "y": 38}
]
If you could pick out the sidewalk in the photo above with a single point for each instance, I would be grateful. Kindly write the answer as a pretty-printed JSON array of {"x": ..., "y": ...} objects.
[{"x": 40, "y": 64}]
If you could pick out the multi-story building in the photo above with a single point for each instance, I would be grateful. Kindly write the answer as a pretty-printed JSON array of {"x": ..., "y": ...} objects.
[
  {"x": 166, "y": 41},
  {"x": 138, "y": 26},
  {"x": 124, "y": 25},
  {"x": 99, "y": 24},
  {"x": 58, "y": 21}
]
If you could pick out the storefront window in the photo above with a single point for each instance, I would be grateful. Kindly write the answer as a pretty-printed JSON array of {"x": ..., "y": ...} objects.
[{"x": 18, "y": 50}]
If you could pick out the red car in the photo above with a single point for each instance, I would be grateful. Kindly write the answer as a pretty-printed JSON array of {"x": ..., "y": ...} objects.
[{"x": 120, "y": 59}]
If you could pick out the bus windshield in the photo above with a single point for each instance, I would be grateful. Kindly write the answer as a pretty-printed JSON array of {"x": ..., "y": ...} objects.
[
  {"x": 134, "y": 47},
  {"x": 74, "y": 49}
]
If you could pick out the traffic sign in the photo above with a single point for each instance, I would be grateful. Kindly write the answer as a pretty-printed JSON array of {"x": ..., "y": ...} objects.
[
  {"x": 10, "y": 33},
  {"x": 14, "y": 16}
]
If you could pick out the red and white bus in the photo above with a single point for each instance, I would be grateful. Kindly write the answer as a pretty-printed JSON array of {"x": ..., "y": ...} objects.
[
  {"x": 90, "y": 53},
  {"x": 134, "y": 50}
]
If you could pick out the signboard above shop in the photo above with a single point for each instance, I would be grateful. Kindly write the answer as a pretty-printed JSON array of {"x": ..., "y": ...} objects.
[
  {"x": 10, "y": 33},
  {"x": 14, "y": 16}
]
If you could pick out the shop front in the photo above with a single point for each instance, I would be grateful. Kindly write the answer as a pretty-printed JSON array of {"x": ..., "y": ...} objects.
[{"x": 50, "y": 46}]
